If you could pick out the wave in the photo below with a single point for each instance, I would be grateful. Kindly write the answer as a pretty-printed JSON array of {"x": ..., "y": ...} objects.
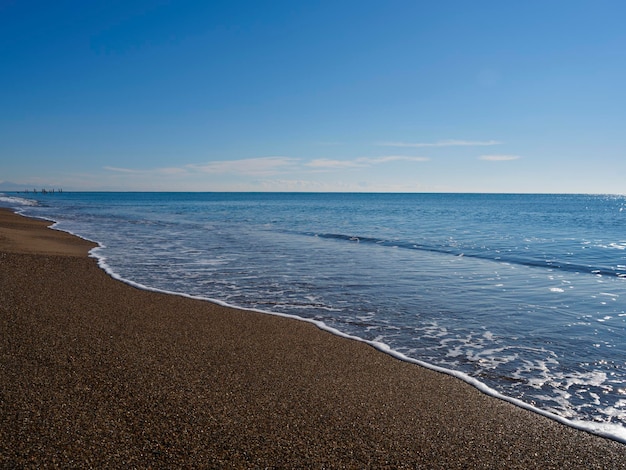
[
  {"x": 13, "y": 201},
  {"x": 608, "y": 430},
  {"x": 500, "y": 257}
]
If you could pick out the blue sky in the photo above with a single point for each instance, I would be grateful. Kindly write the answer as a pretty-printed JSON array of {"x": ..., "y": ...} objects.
[{"x": 407, "y": 96}]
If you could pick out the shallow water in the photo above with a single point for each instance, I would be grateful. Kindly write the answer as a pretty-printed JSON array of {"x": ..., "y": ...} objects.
[{"x": 524, "y": 293}]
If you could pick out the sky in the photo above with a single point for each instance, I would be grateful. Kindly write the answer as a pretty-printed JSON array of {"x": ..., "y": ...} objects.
[{"x": 361, "y": 96}]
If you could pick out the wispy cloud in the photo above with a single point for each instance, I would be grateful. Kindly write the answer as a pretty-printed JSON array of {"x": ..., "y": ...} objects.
[
  {"x": 442, "y": 143},
  {"x": 499, "y": 158},
  {"x": 122, "y": 170},
  {"x": 361, "y": 162},
  {"x": 262, "y": 166},
  {"x": 160, "y": 171},
  {"x": 329, "y": 163},
  {"x": 396, "y": 158}
]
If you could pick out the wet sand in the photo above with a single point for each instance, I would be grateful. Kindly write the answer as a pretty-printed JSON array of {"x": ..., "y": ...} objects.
[{"x": 94, "y": 372}]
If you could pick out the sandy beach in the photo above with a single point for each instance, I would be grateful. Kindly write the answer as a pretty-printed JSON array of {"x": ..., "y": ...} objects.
[{"x": 96, "y": 373}]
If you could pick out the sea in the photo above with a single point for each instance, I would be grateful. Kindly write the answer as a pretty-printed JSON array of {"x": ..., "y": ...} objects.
[{"x": 521, "y": 295}]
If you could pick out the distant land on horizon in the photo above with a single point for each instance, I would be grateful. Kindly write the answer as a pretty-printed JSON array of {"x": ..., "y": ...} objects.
[{"x": 9, "y": 186}]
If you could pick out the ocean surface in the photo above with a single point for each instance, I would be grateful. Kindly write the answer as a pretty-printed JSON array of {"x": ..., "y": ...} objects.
[{"x": 524, "y": 296}]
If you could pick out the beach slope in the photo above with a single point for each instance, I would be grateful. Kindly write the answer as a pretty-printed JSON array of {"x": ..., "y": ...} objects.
[{"x": 94, "y": 372}]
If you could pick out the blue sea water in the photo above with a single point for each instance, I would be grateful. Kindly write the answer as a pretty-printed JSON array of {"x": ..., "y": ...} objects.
[{"x": 522, "y": 295}]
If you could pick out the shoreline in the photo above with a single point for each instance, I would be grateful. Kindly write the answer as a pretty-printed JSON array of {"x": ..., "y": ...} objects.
[
  {"x": 100, "y": 373},
  {"x": 610, "y": 432}
]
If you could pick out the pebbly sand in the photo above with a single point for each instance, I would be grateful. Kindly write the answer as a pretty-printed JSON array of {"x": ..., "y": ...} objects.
[{"x": 95, "y": 373}]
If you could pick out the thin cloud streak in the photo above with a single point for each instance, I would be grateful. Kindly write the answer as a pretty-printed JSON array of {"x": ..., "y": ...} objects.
[
  {"x": 122, "y": 170},
  {"x": 499, "y": 158},
  {"x": 329, "y": 164},
  {"x": 442, "y": 143},
  {"x": 159, "y": 171},
  {"x": 362, "y": 162},
  {"x": 262, "y": 166},
  {"x": 396, "y": 158}
]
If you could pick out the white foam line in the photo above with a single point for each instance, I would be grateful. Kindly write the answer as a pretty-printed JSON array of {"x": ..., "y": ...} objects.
[
  {"x": 607, "y": 430},
  {"x": 610, "y": 431}
]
